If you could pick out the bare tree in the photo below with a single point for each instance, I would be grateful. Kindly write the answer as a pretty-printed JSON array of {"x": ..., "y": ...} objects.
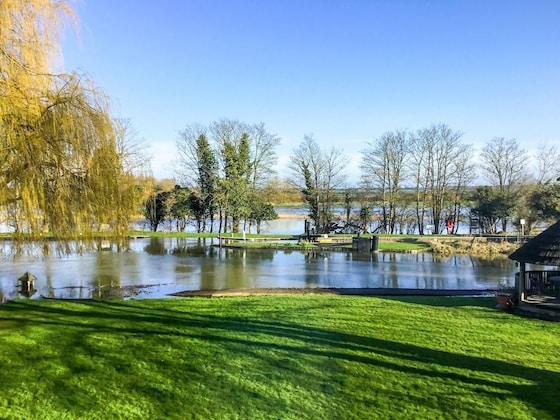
[
  {"x": 132, "y": 150},
  {"x": 439, "y": 161},
  {"x": 465, "y": 174},
  {"x": 263, "y": 155},
  {"x": 384, "y": 163},
  {"x": 547, "y": 158},
  {"x": 226, "y": 131},
  {"x": 504, "y": 162},
  {"x": 419, "y": 168},
  {"x": 318, "y": 174},
  {"x": 187, "y": 162},
  {"x": 504, "y": 166}
]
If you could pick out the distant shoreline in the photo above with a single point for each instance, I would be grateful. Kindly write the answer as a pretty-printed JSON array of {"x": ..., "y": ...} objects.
[{"x": 293, "y": 216}]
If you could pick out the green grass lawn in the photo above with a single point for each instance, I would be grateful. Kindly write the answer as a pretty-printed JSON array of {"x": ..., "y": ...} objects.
[
  {"x": 396, "y": 246},
  {"x": 301, "y": 357},
  {"x": 392, "y": 245}
]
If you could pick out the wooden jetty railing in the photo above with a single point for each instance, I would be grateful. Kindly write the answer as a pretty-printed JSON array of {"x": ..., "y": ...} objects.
[
  {"x": 227, "y": 240},
  {"x": 542, "y": 283}
]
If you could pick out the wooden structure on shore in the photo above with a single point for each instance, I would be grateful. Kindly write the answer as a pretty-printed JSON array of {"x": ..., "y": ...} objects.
[
  {"x": 327, "y": 239},
  {"x": 232, "y": 240},
  {"x": 543, "y": 250}
]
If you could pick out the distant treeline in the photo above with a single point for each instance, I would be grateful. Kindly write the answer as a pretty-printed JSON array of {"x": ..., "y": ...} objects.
[{"x": 411, "y": 182}]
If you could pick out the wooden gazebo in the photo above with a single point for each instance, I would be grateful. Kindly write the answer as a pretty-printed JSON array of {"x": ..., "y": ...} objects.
[{"x": 543, "y": 250}]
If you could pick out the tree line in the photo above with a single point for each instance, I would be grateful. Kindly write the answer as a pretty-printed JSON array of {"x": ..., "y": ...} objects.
[
  {"x": 224, "y": 169},
  {"x": 513, "y": 187},
  {"x": 411, "y": 182}
]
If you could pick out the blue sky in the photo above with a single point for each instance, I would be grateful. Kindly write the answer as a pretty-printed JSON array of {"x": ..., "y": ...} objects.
[{"x": 344, "y": 71}]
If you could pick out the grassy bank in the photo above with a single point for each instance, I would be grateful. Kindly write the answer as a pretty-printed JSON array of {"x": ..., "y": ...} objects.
[
  {"x": 441, "y": 245},
  {"x": 299, "y": 357},
  {"x": 438, "y": 244}
]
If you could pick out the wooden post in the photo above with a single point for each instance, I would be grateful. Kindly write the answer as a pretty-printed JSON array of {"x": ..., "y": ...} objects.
[{"x": 521, "y": 282}]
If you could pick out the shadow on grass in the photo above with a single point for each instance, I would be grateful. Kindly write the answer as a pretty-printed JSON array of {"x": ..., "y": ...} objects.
[
  {"x": 249, "y": 335},
  {"x": 446, "y": 301}
]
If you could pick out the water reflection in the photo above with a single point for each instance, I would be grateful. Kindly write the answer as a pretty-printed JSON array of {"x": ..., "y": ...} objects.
[{"x": 156, "y": 267}]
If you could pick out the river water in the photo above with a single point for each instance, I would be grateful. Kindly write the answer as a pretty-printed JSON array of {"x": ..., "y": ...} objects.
[{"x": 155, "y": 267}]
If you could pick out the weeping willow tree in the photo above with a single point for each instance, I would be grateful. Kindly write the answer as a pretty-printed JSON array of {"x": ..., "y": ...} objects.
[{"x": 62, "y": 167}]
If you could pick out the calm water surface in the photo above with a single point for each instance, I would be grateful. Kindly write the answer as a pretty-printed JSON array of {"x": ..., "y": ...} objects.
[{"x": 157, "y": 267}]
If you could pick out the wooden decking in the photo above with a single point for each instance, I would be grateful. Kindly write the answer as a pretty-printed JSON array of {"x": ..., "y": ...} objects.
[
  {"x": 541, "y": 291},
  {"x": 540, "y": 306}
]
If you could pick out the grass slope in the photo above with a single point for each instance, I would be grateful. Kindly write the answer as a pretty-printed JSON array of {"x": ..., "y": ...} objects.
[{"x": 301, "y": 357}]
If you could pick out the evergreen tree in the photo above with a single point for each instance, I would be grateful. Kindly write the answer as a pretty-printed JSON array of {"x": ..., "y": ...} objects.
[
  {"x": 234, "y": 160},
  {"x": 236, "y": 179},
  {"x": 207, "y": 181},
  {"x": 156, "y": 208},
  {"x": 180, "y": 206},
  {"x": 491, "y": 203},
  {"x": 260, "y": 211}
]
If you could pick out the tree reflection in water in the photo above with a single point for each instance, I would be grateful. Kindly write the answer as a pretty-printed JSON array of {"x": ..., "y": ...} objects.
[{"x": 155, "y": 267}]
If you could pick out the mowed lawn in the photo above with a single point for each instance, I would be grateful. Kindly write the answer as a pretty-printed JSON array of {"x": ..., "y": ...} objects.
[{"x": 300, "y": 357}]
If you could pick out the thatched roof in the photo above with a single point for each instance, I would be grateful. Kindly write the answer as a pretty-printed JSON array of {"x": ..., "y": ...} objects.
[{"x": 543, "y": 249}]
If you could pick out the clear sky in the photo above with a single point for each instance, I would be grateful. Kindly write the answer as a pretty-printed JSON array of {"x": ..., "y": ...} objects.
[{"x": 346, "y": 71}]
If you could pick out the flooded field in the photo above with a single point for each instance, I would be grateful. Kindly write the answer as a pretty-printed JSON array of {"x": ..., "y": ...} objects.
[{"x": 158, "y": 267}]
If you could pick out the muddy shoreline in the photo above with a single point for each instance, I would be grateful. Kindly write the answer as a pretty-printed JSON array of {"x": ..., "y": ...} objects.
[{"x": 335, "y": 291}]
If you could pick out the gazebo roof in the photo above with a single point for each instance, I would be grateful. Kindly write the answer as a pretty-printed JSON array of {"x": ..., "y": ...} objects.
[{"x": 543, "y": 249}]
